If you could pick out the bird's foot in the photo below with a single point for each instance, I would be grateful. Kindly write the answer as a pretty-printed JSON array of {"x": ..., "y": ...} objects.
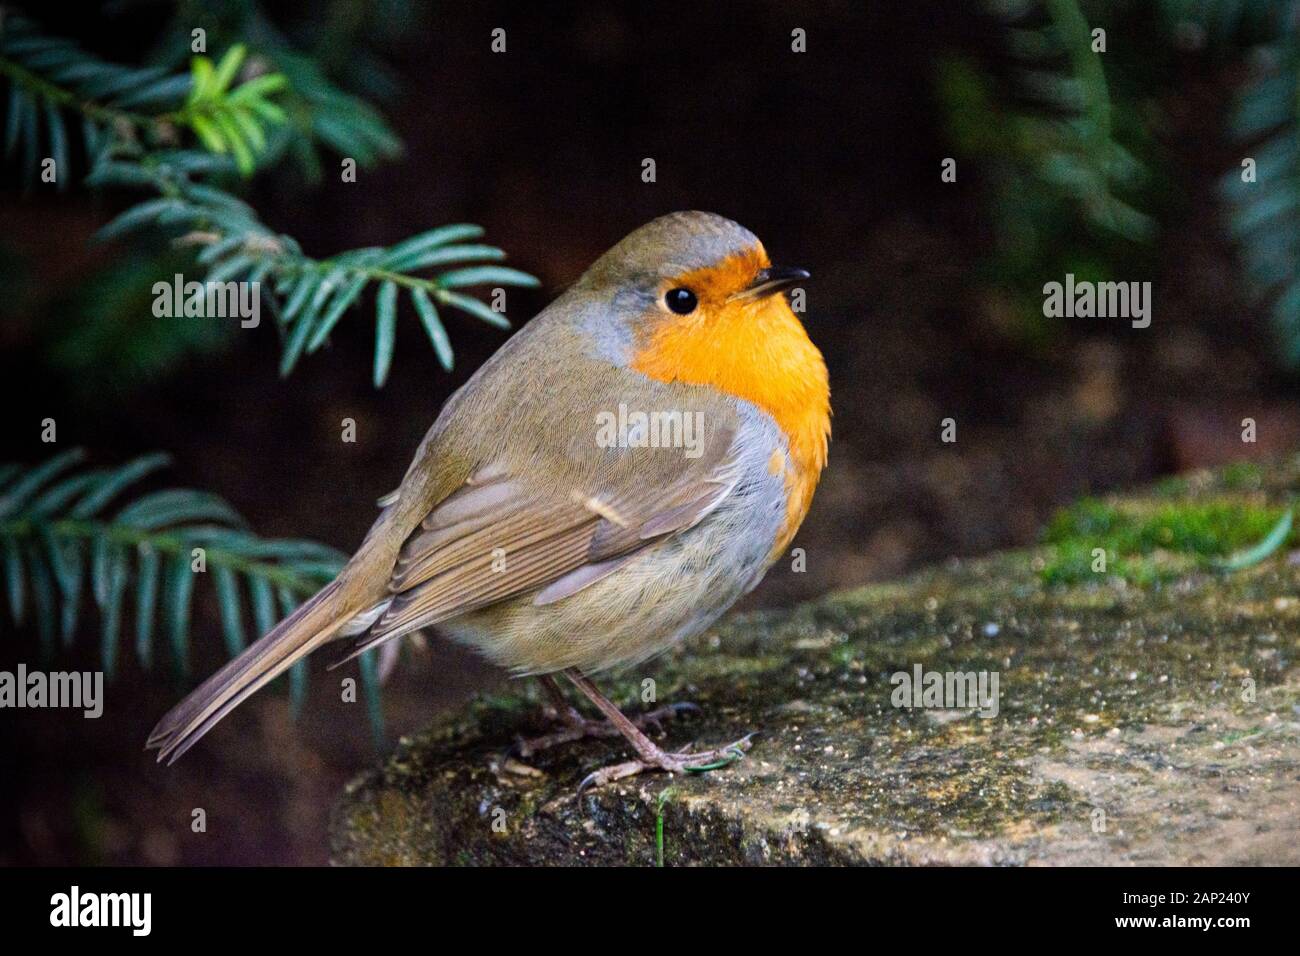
[
  {"x": 577, "y": 727},
  {"x": 683, "y": 761}
]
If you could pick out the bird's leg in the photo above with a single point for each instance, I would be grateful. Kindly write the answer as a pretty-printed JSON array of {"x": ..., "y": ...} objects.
[
  {"x": 577, "y": 727},
  {"x": 560, "y": 709},
  {"x": 650, "y": 756}
]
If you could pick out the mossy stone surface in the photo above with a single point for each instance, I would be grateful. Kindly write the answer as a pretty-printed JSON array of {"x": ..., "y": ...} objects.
[{"x": 1154, "y": 723}]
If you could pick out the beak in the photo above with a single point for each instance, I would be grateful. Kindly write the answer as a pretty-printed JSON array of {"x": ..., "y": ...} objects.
[{"x": 771, "y": 280}]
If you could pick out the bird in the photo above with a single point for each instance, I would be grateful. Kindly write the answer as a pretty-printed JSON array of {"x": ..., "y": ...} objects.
[{"x": 608, "y": 483}]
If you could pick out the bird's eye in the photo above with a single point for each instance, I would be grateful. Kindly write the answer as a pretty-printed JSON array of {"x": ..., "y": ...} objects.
[{"x": 682, "y": 301}]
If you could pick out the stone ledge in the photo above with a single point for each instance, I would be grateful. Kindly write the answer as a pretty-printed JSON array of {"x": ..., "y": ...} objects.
[{"x": 1122, "y": 735}]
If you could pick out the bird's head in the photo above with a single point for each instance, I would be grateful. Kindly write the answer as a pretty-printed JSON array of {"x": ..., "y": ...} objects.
[
  {"x": 691, "y": 270},
  {"x": 693, "y": 298}
]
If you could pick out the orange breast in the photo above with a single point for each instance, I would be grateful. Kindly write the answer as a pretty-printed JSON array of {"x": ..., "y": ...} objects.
[{"x": 758, "y": 351}]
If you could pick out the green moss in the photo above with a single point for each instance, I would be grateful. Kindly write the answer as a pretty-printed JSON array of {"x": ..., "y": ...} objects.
[
  {"x": 1146, "y": 542},
  {"x": 1241, "y": 476},
  {"x": 1173, "y": 487}
]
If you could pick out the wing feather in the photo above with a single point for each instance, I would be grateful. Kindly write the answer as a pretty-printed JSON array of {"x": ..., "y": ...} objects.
[{"x": 548, "y": 542}]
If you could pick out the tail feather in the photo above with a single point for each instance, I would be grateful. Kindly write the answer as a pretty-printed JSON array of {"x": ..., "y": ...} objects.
[{"x": 307, "y": 628}]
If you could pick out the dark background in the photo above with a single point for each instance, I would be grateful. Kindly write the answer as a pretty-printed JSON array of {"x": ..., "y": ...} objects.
[{"x": 832, "y": 157}]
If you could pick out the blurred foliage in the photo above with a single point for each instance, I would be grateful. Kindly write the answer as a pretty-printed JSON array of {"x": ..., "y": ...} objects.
[
  {"x": 105, "y": 327},
  {"x": 1039, "y": 120},
  {"x": 66, "y": 533},
  {"x": 1075, "y": 181},
  {"x": 188, "y": 136},
  {"x": 1066, "y": 138},
  {"x": 1264, "y": 210},
  {"x": 50, "y": 76},
  {"x": 331, "y": 60},
  {"x": 1223, "y": 26},
  {"x": 189, "y": 128},
  {"x": 310, "y": 295}
]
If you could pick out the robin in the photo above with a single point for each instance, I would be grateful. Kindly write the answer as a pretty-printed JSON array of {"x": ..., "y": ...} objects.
[{"x": 608, "y": 483}]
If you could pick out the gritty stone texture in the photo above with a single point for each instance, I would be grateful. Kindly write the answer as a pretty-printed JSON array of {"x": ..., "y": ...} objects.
[{"x": 1125, "y": 733}]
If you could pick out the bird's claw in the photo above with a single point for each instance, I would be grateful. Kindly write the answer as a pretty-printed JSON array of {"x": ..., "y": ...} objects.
[
  {"x": 683, "y": 761},
  {"x": 577, "y": 727},
  {"x": 726, "y": 755}
]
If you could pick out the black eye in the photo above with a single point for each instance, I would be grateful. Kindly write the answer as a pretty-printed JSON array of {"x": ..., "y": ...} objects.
[{"x": 681, "y": 301}]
